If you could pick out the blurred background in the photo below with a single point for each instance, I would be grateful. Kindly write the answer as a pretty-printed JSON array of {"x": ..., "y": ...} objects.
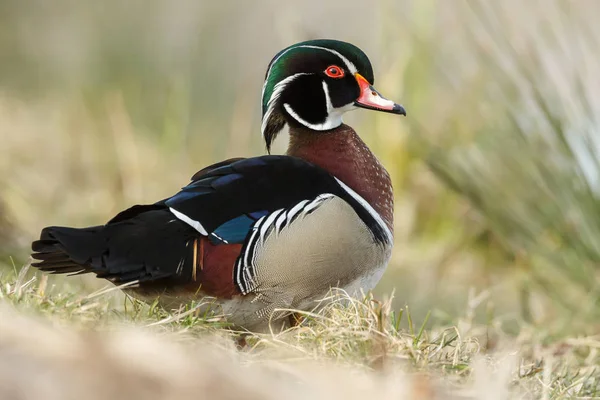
[{"x": 496, "y": 168}]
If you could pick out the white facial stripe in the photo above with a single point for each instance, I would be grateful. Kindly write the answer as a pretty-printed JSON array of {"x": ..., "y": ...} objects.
[
  {"x": 277, "y": 90},
  {"x": 327, "y": 97},
  {"x": 329, "y": 123},
  {"x": 271, "y": 67},
  {"x": 194, "y": 224},
  {"x": 351, "y": 67},
  {"x": 370, "y": 209}
]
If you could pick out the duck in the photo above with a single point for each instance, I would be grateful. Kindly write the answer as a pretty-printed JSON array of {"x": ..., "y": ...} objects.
[{"x": 262, "y": 236}]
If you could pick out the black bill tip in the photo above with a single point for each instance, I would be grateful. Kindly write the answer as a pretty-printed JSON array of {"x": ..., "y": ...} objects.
[{"x": 398, "y": 109}]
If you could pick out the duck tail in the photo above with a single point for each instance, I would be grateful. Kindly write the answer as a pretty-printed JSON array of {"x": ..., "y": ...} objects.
[{"x": 63, "y": 250}]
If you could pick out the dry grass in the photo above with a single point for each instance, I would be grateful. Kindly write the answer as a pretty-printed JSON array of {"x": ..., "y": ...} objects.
[
  {"x": 495, "y": 172},
  {"x": 527, "y": 159},
  {"x": 126, "y": 103},
  {"x": 56, "y": 342}
]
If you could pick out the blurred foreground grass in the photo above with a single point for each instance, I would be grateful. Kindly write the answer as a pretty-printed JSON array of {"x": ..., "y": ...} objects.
[
  {"x": 103, "y": 105},
  {"x": 105, "y": 345}
]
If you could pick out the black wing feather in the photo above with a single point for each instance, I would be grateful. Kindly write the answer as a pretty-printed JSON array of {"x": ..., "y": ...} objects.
[
  {"x": 148, "y": 243},
  {"x": 266, "y": 183}
]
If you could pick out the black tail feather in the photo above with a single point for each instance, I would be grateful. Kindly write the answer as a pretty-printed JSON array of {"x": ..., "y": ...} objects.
[
  {"x": 146, "y": 247},
  {"x": 68, "y": 270},
  {"x": 51, "y": 254}
]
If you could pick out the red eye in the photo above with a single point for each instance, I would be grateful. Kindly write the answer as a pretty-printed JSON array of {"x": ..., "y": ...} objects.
[{"x": 333, "y": 71}]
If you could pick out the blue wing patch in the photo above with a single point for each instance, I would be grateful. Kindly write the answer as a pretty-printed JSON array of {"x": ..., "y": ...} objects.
[
  {"x": 258, "y": 214},
  {"x": 236, "y": 230}
]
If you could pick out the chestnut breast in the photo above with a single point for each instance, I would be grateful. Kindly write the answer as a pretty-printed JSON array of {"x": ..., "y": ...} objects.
[{"x": 343, "y": 153}]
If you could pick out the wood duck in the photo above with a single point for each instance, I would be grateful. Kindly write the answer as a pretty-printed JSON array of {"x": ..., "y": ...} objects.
[{"x": 264, "y": 234}]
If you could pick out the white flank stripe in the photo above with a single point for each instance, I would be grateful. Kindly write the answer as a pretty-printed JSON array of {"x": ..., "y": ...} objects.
[
  {"x": 265, "y": 226},
  {"x": 295, "y": 210},
  {"x": 238, "y": 273},
  {"x": 317, "y": 201},
  {"x": 280, "y": 222},
  {"x": 254, "y": 233},
  {"x": 370, "y": 209},
  {"x": 194, "y": 224},
  {"x": 246, "y": 264}
]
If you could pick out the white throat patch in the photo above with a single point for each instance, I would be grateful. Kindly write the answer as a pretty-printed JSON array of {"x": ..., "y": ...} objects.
[{"x": 334, "y": 115}]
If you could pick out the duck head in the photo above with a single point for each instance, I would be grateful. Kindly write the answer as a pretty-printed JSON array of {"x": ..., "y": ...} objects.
[{"x": 313, "y": 83}]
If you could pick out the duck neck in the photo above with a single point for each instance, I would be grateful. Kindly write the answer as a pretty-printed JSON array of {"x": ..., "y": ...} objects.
[{"x": 343, "y": 154}]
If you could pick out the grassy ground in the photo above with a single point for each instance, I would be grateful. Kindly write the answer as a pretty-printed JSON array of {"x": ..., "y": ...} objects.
[
  {"x": 104, "y": 343},
  {"x": 495, "y": 172}
]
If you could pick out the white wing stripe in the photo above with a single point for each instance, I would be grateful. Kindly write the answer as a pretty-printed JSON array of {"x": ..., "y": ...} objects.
[{"x": 194, "y": 224}]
